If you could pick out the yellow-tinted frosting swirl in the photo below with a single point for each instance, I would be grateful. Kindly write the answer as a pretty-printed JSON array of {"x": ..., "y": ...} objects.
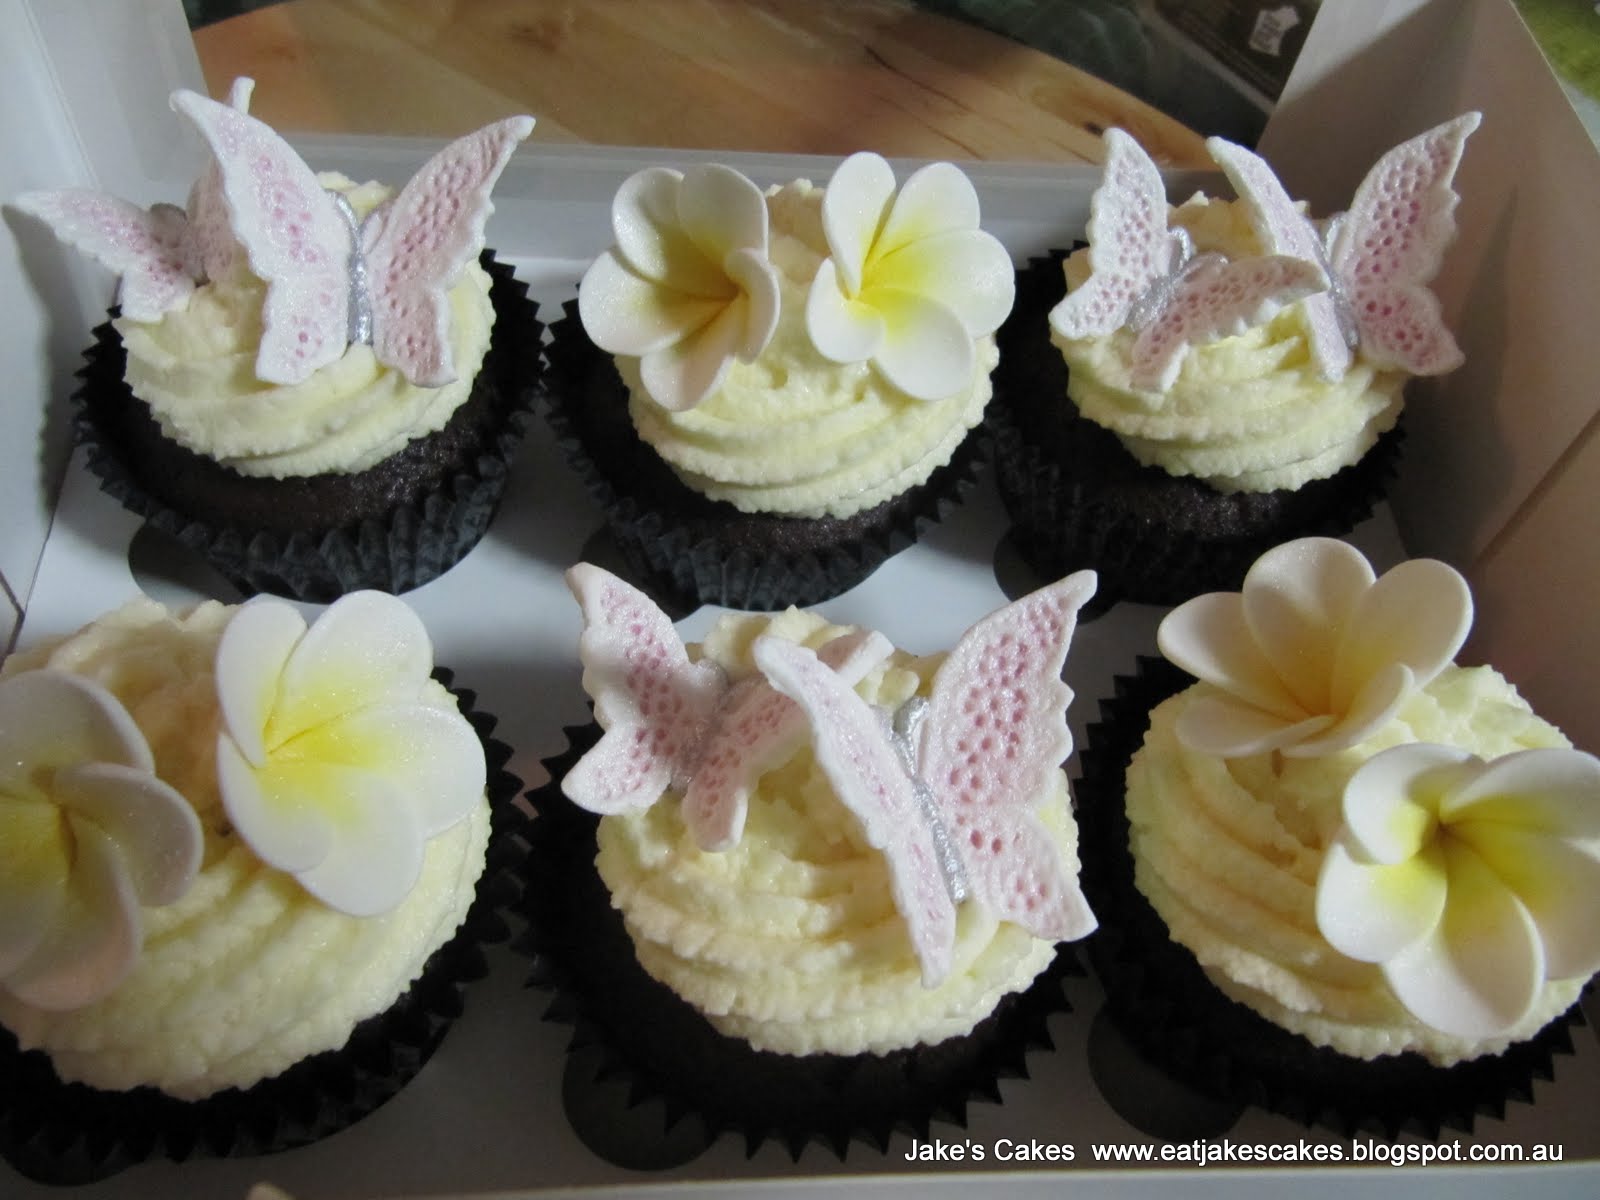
[
  {"x": 195, "y": 368},
  {"x": 1246, "y": 413},
  {"x": 790, "y": 939}
]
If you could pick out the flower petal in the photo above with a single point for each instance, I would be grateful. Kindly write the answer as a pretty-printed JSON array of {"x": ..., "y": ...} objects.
[
  {"x": 1298, "y": 599},
  {"x": 1543, "y": 791},
  {"x": 1480, "y": 971},
  {"x": 1379, "y": 699},
  {"x": 154, "y": 829},
  {"x": 1372, "y": 912},
  {"x": 967, "y": 271},
  {"x": 35, "y": 863},
  {"x": 250, "y": 657},
  {"x": 843, "y": 330},
  {"x": 625, "y": 313},
  {"x": 1220, "y": 725},
  {"x": 1207, "y": 636},
  {"x": 94, "y": 941},
  {"x": 269, "y": 810},
  {"x": 925, "y": 351},
  {"x": 646, "y": 216},
  {"x": 722, "y": 211},
  {"x": 1555, "y": 881},
  {"x": 1417, "y": 613},
  {"x": 680, "y": 376},
  {"x": 1391, "y": 803},
  {"x": 51, "y": 719},
  {"x": 936, "y": 199},
  {"x": 376, "y": 856},
  {"x": 853, "y": 208},
  {"x": 758, "y": 280}
]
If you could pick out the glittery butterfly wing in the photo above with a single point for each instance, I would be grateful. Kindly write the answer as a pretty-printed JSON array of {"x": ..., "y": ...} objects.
[
  {"x": 1142, "y": 275},
  {"x": 297, "y": 238},
  {"x": 151, "y": 249},
  {"x": 855, "y": 753},
  {"x": 1389, "y": 246},
  {"x": 757, "y": 730},
  {"x": 995, "y": 731},
  {"x": 210, "y": 222},
  {"x": 1283, "y": 229},
  {"x": 652, "y": 701},
  {"x": 416, "y": 246}
]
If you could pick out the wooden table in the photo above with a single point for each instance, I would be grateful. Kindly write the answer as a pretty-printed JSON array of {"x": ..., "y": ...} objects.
[{"x": 787, "y": 76}]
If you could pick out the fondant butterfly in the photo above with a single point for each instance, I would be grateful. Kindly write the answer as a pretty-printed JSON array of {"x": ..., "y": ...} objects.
[
  {"x": 670, "y": 722},
  {"x": 160, "y": 253},
  {"x": 1147, "y": 276},
  {"x": 1379, "y": 256},
  {"x": 958, "y": 779}
]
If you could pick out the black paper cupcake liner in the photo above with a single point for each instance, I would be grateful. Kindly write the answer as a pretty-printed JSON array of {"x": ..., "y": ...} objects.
[
  {"x": 686, "y": 549},
  {"x": 1160, "y": 999},
  {"x": 394, "y": 527},
  {"x": 68, "y": 1133},
  {"x": 642, "y": 1035},
  {"x": 1078, "y": 499}
]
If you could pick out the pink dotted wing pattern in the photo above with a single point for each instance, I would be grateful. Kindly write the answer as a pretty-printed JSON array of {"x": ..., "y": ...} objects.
[
  {"x": 294, "y": 234},
  {"x": 759, "y": 728},
  {"x": 417, "y": 245},
  {"x": 653, "y": 703},
  {"x": 151, "y": 250},
  {"x": 995, "y": 730},
  {"x": 1391, "y": 243},
  {"x": 859, "y": 761},
  {"x": 1214, "y": 298},
  {"x": 1284, "y": 229},
  {"x": 1130, "y": 248}
]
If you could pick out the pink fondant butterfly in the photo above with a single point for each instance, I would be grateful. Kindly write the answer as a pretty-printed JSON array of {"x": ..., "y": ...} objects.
[
  {"x": 1147, "y": 277},
  {"x": 959, "y": 779},
  {"x": 332, "y": 282},
  {"x": 673, "y": 723},
  {"x": 1379, "y": 256},
  {"x": 160, "y": 253}
]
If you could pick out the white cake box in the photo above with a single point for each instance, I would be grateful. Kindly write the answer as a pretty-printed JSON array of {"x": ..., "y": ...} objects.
[{"x": 1500, "y": 475}]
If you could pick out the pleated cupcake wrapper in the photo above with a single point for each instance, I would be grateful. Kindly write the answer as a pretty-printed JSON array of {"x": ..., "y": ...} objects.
[
  {"x": 1062, "y": 524},
  {"x": 644, "y": 1036},
  {"x": 67, "y": 1133},
  {"x": 680, "y": 558},
  {"x": 1163, "y": 1003},
  {"x": 406, "y": 547}
]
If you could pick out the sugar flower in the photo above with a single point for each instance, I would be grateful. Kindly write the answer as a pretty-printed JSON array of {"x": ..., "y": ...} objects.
[
  {"x": 911, "y": 279},
  {"x": 1316, "y": 652},
  {"x": 335, "y": 762},
  {"x": 687, "y": 287},
  {"x": 88, "y": 835},
  {"x": 1470, "y": 882}
]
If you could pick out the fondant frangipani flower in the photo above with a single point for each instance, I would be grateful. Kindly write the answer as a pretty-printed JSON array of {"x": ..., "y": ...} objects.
[
  {"x": 88, "y": 835},
  {"x": 335, "y": 763},
  {"x": 1471, "y": 882},
  {"x": 687, "y": 287},
  {"x": 1316, "y": 652},
  {"x": 911, "y": 279}
]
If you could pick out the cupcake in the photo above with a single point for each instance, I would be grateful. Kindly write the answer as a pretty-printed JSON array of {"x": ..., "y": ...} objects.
[
  {"x": 1227, "y": 375},
  {"x": 771, "y": 394},
  {"x": 803, "y": 885},
  {"x": 1341, "y": 876},
  {"x": 316, "y": 385},
  {"x": 248, "y": 868}
]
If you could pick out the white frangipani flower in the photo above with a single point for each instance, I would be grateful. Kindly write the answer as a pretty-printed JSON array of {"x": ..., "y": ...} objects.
[
  {"x": 688, "y": 286},
  {"x": 335, "y": 762},
  {"x": 1316, "y": 652},
  {"x": 88, "y": 836},
  {"x": 1470, "y": 882},
  {"x": 911, "y": 279}
]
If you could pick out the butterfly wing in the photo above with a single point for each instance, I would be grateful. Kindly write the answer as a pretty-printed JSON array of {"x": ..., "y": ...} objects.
[
  {"x": 758, "y": 730},
  {"x": 1129, "y": 245},
  {"x": 1213, "y": 298},
  {"x": 417, "y": 245},
  {"x": 1283, "y": 229},
  {"x": 653, "y": 703},
  {"x": 150, "y": 249},
  {"x": 293, "y": 232},
  {"x": 995, "y": 731},
  {"x": 1391, "y": 243},
  {"x": 855, "y": 754}
]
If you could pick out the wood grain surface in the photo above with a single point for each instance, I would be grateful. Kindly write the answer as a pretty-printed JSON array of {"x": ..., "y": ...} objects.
[{"x": 787, "y": 76}]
